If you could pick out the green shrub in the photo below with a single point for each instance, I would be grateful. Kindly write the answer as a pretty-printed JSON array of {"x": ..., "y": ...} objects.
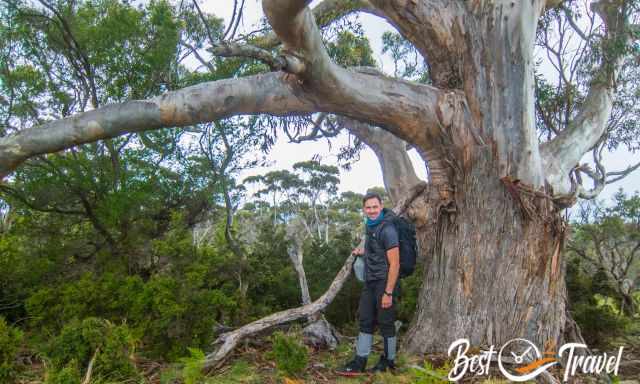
[
  {"x": 598, "y": 323},
  {"x": 409, "y": 294},
  {"x": 79, "y": 340},
  {"x": 192, "y": 366},
  {"x": 10, "y": 339},
  {"x": 167, "y": 313},
  {"x": 290, "y": 356},
  {"x": 70, "y": 374},
  {"x": 430, "y": 375}
]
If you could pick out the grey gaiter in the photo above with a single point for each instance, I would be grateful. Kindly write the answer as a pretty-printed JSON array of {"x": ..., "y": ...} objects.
[
  {"x": 363, "y": 346},
  {"x": 390, "y": 347}
]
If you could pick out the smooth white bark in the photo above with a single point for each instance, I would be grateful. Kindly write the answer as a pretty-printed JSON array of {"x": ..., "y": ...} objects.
[
  {"x": 398, "y": 173},
  {"x": 563, "y": 153}
]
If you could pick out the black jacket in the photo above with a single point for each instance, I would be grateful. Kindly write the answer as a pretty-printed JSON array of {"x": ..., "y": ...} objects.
[{"x": 375, "y": 252}]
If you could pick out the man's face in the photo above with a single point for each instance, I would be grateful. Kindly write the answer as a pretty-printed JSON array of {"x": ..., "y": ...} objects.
[{"x": 372, "y": 208}]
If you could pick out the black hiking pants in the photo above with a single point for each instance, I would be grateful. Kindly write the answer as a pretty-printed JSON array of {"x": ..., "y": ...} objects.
[{"x": 370, "y": 311}]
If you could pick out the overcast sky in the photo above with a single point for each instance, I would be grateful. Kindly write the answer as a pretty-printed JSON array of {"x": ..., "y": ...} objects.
[{"x": 366, "y": 172}]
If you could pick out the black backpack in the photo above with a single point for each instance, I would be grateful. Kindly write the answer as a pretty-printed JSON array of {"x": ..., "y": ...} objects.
[{"x": 408, "y": 247}]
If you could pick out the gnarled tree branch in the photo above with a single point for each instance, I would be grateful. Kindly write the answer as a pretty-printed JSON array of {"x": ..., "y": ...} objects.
[
  {"x": 270, "y": 93},
  {"x": 397, "y": 170},
  {"x": 560, "y": 154},
  {"x": 418, "y": 121},
  {"x": 417, "y": 113},
  {"x": 435, "y": 28},
  {"x": 326, "y": 13},
  {"x": 412, "y": 110}
]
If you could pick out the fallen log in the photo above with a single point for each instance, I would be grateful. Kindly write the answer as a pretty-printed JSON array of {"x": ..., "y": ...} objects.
[{"x": 229, "y": 340}]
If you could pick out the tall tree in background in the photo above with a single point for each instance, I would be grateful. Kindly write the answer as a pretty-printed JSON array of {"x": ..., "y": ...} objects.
[
  {"x": 305, "y": 213},
  {"x": 607, "y": 239},
  {"x": 489, "y": 219}
]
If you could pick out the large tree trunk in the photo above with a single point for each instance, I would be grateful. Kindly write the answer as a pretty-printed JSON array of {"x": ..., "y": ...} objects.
[
  {"x": 493, "y": 268},
  {"x": 493, "y": 245}
]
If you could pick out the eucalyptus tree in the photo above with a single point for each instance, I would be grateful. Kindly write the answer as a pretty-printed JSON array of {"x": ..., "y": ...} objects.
[
  {"x": 304, "y": 205},
  {"x": 489, "y": 219},
  {"x": 59, "y": 60},
  {"x": 222, "y": 151},
  {"x": 607, "y": 239},
  {"x": 302, "y": 198}
]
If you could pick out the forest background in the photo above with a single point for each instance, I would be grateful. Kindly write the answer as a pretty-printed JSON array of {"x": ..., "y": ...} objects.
[{"x": 123, "y": 260}]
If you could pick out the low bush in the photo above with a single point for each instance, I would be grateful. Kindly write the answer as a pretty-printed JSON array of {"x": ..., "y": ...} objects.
[
  {"x": 167, "y": 314},
  {"x": 192, "y": 367},
  {"x": 70, "y": 374},
  {"x": 10, "y": 340},
  {"x": 427, "y": 374},
  {"x": 110, "y": 346},
  {"x": 598, "y": 323},
  {"x": 290, "y": 355}
]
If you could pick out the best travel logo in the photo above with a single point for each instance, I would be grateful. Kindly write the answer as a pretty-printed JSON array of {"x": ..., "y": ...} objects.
[{"x": 521, "y": 360}]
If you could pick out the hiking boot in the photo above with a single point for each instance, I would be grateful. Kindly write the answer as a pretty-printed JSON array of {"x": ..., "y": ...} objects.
[
  {"x": 355, "y": 367},
  {"x": 383, "y": 365}
]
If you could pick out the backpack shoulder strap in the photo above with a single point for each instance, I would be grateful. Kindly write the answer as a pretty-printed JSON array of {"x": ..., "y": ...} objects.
[{"x": 386, "y": 221}]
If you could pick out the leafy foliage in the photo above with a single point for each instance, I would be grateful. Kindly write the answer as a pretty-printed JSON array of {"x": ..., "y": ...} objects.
[
  {"x": 407, "y": 61},
  {"x": 598, "y": 323},
  {"x": 351, "y": 49},
  {"x": 602, "y": 269},
  {"x": 70, "y": 374},
  {"x": 110, "y": 346},
  {"x": 290, "y": 356},
  {"x": 192, "y": 370},
  {"x": 167, "y": 313},
  {"x": 10, "y": 341},
  {"x": 430, "y": 375},
  {"x": 580, "y": 52}
]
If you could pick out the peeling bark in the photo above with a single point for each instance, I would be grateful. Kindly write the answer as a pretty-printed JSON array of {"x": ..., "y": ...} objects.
[
  {"x": 499, "y": 84},
  {"x": 484, "y": 49},
  {"x": 494, "y": 268}
]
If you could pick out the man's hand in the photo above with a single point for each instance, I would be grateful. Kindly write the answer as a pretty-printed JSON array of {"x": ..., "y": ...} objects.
[
  {"x": 386, "y": 301},
  {"x": 358, "y": 251}
]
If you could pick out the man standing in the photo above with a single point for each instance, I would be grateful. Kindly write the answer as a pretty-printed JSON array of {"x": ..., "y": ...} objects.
[{"x": 377, "y": 301}]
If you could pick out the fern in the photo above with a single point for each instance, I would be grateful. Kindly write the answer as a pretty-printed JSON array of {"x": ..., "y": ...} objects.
[{"x": 193, "y": 365}]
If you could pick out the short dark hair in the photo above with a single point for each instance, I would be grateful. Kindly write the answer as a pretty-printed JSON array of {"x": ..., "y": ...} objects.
[{"x": 371, "y": 195}]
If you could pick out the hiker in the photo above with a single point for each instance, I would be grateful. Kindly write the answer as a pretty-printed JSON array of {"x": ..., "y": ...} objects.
[{"x": 381, "y": 254}]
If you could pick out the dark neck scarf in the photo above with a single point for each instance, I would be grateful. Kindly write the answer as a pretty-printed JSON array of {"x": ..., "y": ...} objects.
[{"x": 376, "y": 221}]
